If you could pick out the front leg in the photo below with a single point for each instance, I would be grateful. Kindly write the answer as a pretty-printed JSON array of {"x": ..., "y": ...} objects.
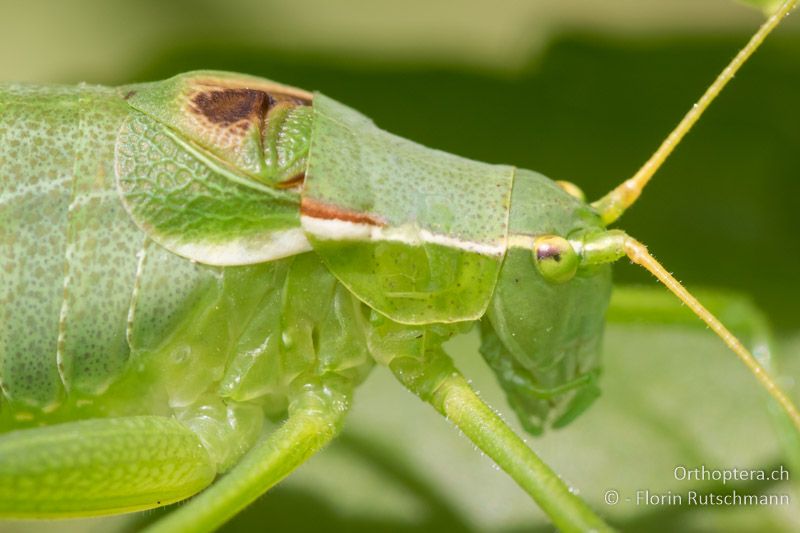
[{"x": 434, "y": 379}]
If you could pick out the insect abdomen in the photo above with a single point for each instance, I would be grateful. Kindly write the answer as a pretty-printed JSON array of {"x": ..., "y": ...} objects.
[
  {"x": 70, "y": 265},
  {"x": 69, "y": 259},
  {"x": 39, "y": 130}
]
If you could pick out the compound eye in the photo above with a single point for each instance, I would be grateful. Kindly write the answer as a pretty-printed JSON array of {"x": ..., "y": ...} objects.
[{"x": 555, "y": 258}]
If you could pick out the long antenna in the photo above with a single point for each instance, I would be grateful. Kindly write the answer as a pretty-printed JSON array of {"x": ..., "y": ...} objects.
[
  {"x": 638, "y": 254},
  {"x": 612, "y": 205},
  {"x": 611, "y": 245}
]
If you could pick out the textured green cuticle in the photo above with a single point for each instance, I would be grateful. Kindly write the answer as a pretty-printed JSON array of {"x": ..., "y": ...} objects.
[
  {"x": 173, "y": 194},
  {"x": 448, "y": 215}
]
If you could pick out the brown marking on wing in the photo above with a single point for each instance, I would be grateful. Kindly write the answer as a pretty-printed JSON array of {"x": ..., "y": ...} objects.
[
  {"x": 226, "y": 107},
  {"x": 312, "y": 208},
  {"x": 294, "y": 181},
  {"x": 237, "y": 109},
  {"x": 278, "y": 91}
]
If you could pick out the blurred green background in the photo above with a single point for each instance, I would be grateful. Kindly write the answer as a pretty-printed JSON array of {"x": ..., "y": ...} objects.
[{"x": 582, "y": 90}]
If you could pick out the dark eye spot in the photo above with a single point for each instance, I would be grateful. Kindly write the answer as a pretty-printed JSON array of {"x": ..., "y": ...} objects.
[{"x": 548, "y": 251}]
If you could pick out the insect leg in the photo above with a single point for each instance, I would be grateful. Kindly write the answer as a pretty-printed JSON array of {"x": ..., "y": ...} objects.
[
  {"x": 100, "y": 466},
  {"x": 315, "y": 418},
  {"x": 434, "y": 378}
]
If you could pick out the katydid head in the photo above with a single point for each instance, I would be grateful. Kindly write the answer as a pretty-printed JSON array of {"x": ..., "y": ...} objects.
[{"x": 543, "y": 329}]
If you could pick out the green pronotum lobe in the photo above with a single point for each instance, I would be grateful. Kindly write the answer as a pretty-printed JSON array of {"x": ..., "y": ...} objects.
[{"x": 417, "y": 234}]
